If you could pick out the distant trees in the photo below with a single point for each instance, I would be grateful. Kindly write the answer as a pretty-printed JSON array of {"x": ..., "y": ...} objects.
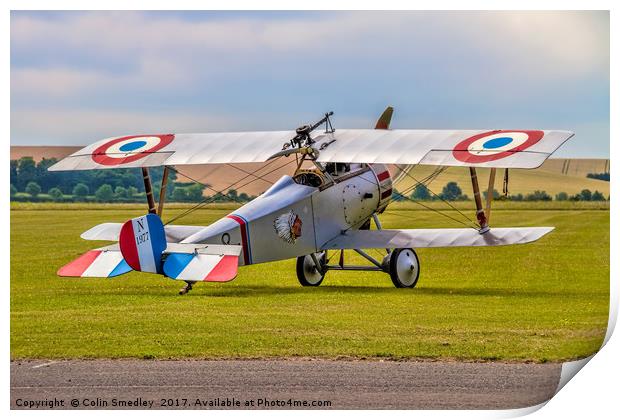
[
  {"x": 120, "y": 192},
  {"x": 604, "y": 176},
  {"x": 33, "y": 189},
  {"x": 232, "y": 194},
  {"x": 587, "y": 195},
  {"x": 29, "y": 178},
  {"x": 104, "y": 193},
  {"x": 421, "y": 192},
  {"x": 397, "y": 195},
  {"x": 584, "y": 195},
  {"x": 179, "y": 194},
  {"x": 132, "y": 192},
  {"x": 189, "y": 193},
  {"x": 538, "y": 196},
  {"x": 25, "y": 170},
  {"x": 496, "y": 195},
  {"x": 194, "y": 192},
  {"x": 55, "y": 194},
  {"x": 80, "y": 190},
  {"x": 452, "y": 192}
]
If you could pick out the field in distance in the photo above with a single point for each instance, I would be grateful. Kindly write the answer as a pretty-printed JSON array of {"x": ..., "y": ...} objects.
[
  {"x": 548, "y": 177},
  {"x": 554, "y": 176},
  {"x": 544, "y": 301}
]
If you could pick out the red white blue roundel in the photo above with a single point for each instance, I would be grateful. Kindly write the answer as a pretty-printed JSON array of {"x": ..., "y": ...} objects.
[
  {"x": 494, "y": 145},
  {"x": 130, "y": 148}
]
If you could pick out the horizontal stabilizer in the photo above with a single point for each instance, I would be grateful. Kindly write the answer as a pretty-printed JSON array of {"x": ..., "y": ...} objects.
[
  {"x": 100, "y": 262},
  {"x": 435, "y": 238},
  {"x": 111, "y": 232},
  {"x": 197, "y": 262}
]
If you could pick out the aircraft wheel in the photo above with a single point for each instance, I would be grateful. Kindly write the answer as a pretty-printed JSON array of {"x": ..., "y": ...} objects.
[
  {"x": 307, "y": 273},
  {"x": 404, "y": 267}
]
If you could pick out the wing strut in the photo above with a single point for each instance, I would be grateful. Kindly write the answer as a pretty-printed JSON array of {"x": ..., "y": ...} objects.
[
  {"x": 162, "y": 191},
  {"x": 490, "y": 191},
  {"x": 148, "y": 189},
  {"x": 482, "y": 220}
]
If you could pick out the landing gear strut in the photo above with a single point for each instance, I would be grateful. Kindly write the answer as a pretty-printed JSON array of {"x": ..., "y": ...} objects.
[{"x": 188, "y": 286}]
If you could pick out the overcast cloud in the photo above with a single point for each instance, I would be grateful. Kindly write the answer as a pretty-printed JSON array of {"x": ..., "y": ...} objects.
[{"x": 77, "y": 77}]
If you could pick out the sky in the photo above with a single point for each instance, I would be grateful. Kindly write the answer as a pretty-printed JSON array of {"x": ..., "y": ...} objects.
[{"x": 77, "y": 77}]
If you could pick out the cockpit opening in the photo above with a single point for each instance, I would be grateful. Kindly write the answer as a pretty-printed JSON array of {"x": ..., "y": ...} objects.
[{"x": 309, "y": 177}]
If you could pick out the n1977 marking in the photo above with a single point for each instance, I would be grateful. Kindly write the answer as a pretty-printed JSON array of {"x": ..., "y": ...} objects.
[{"x": 141, "y": 237}]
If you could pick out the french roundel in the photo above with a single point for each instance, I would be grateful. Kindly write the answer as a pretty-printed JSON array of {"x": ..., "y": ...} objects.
[
  {"x": 494, "y": 145},
  {"x": 130, "y": 148}
]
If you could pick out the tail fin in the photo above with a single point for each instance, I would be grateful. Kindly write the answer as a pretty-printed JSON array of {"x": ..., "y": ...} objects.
[
  {"x": 383, "y": 123},
  {"x": 100, "y": 262},
  {"x": 142, "y": 241}
]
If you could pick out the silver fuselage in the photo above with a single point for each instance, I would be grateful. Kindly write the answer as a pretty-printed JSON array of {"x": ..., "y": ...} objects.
[{"x": 289, "y": 219}]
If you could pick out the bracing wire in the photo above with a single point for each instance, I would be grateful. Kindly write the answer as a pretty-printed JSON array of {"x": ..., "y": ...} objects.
[
  {"x": 434, "y": 194},
  {"x": 209, "y": 200},
  {"x": 427, "y": 180}
]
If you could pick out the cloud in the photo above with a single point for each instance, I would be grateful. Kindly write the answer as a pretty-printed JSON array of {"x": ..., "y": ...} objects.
[
  {"x": 244, "y": 70},
  {"x": 81, "y": 127},
  {"x": 172, "y": 52}
]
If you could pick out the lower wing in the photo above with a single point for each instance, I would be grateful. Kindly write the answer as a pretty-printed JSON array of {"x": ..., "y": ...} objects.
[{"x": 434, "y": 238}]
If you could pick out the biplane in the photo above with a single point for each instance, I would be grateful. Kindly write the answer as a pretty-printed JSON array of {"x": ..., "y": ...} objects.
[{"x": 341, "y": 184}]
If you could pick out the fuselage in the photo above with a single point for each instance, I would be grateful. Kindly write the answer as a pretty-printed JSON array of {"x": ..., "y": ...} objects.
[{"x": 299, "y": 214}]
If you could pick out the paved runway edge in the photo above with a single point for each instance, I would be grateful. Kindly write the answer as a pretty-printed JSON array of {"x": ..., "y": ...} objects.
[{"x": 279, "y": 384}]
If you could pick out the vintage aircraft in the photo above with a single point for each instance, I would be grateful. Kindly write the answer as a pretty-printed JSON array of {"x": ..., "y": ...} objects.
[{"x": 327, "y": 206}]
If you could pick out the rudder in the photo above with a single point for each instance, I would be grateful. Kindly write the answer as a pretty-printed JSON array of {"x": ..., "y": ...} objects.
[{"x": 142, "y": 241}]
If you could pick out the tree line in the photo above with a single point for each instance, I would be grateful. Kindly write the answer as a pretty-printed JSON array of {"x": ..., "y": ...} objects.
[
  {"x": 31, "y": 181},
  {"x": 452, "y": 192},
  {"x": 603, "y": 176}
]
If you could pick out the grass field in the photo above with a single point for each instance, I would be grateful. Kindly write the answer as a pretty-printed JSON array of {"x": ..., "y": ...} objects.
[{"x": 538, "y": 302}]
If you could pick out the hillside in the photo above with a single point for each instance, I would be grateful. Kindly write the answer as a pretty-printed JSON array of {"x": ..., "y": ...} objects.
[
  {"x": 519, "y": 180},
  {"x": 556, "y": 175}
]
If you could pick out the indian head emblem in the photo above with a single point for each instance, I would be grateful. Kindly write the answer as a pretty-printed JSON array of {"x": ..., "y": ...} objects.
[{"x": 288, "y": 226}]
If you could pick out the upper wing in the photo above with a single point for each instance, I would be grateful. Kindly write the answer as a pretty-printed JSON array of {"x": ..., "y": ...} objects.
[
  {"x": 486, "y": 148},
  {"x": 176, "y": 149},
  {"x": 495, "y": 148},
  {"x": 435, "y": 238}
]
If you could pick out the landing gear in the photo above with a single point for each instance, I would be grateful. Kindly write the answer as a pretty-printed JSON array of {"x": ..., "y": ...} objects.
[
  {"x": 404, "y": 267},
  {"x": 402, "y": 264},
  {"x": 188, "y": 286},
  {"x": 308, "y": 273}
]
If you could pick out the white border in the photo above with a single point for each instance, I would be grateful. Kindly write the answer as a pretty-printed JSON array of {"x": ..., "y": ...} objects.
[{"x": 593, "y": 394}]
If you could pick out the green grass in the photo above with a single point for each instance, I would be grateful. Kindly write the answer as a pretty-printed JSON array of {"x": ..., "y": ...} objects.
[{"x": 539, "y": 302}]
